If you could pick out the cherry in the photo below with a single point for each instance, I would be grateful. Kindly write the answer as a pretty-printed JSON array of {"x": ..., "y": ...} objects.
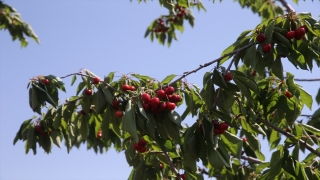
[
  {"x": 299, "y": 32},
  {"x": 161, "y": 93},
  {"x": 136, "y": 146},
  {"x": 272, "y": 114},
  {"x": 228, "y": 76},
  {"x": 244, "y": 139},
  {"x": 305, "y": 28},
  {"x": 183, "y": 176},
  {"x": 288, "y": 130},
  {"x": 215, "y": 123},
  {"x": 145, "y": 97},
  {"x": 288, "y": 94},
  {"x": 254, "y": 73},
  {"x": 38, "y": 128},
  {"x": 83, "y": 112},
  {"x": 155, "y": 109},
  {"x": 169, "y": 90},
  {"x": 142, "y": 142},
  {"x": 99, "y": 134},
  {"x": 154, "y": 101},
  {"x": 242, "y": 152},
  {"x": 88, "y": 92},
  {"x": 216, "y": 131},
  {"x": 261, "y": 38},
  {"x": 290, "y": 34},
  {"x": 119, "y": 114},
  {"x": 223, "y": 126},
  {"x": 142, "y": 149},
  {"x": 131, "y": 88},
  {"x": 96, "y": 80},
  {"x": 160, "y": 166},
  {"x": 125, "y": 87},
  {"x": 146, "y": 106},
  {"x": 221, "y": 131},
  {"x": 162, "y": 106},
  {"x": 171, "y": 106},
  {"x": 45, "y": 81},
  {"x": 115, "y": 104},
  {"x": 267, "y": 48},
  {"x": 175, "y": 98}
]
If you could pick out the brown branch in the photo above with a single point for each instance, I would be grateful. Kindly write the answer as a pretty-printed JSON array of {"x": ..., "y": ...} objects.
[
  {"x": 317, "y": 79},
  {"x": 286, "y": 5},
  {"x": 251, "y": 159},
  {"x": 289, "y": 135}
]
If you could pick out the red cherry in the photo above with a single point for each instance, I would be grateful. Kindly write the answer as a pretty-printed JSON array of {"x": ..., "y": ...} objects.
[
  {"x": 46, "y": 81},
  {"x": 145, "y": 97},
  {"x": 160, "y": 166},
  {"x": 88, "y": 92},
  {"x": 299, "y": 32},
  {"x": 288, "y": 130},
  {"x": 162, "y": 106},
  {"x": 99, "y": 134},
  {"x": 96, "y": 80},
  {"x": 254, "y": 73},
  {"x": 38, "y": 128},
  {"x": 119, "y": 114},
  {"x": 216, "y": 131},
  {"x": 136, "y": 146},
  {"x": 272, "y": 114},
  {"x": 306, "y": 30},
  {"x": 142, "y": 142},
  {"x": 154, "y": 101},
  {"x": 83, "y": 112},
  {"x": 155, "y": 109},
  {"x": 142, "y": 149},
  {"x": 183, "y": 176},
  {"x": 215, "y": 123},
  {"x": 171, "y": 106},
  {"x": 244, "y": 139},
  {"x": 221, "y": 131},
  {"x": 288, "y": 94},
  {"x": 175, "y": 98},
  {"x": 125, "y": 87},
  {"x": 261, "y": 38},
  {"x": 223, "y": 126},
  {"x": 267, "y": 48},
  {"x": 131, "y": 88},
  {"x": 146, "y": 106},
  {"x": 228, "y": 76},
  {"x": 115, "y": 104},
  {"x": 290, "y": 35},
  {"x": 169, "y": 90},
  {"x": 161, "y": 93}
]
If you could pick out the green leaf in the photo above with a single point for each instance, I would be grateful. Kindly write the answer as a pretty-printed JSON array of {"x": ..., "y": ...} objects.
[
  {"x": 55, "y": 135},
  {"x": 57, "y": 82},
  {"x": 100, "y": 101},
  {"x": 109, "y": 78},
  {"x": 168, "y": 79},
  {"x": 269, "y": 31},
  {"x": 311, "y": 129},
  {"x": 57, "y": 120},
  {"x": 80, "y": 87},
  {"x": 174, "y": 117},
  {"x": 275, "y": 168},
  {"x": 129, "y": 122},
  {"x": 277, "y": 68},
  {"x": 249, "y": 83},
  {"x": 245, "y": 91},
  {"x": 285, "y": 41},
  {"x": 74, "y": 78},
  {"x": 318, "y": 97},
  {"x": 216, "y": 160},
  {"x": 250, "y": 57},
  {"x": 232, "y": 143},
  {"x": 305, "y": 97},
  {"x": 107, "y": 93},
  {"x": 84, "y": 127}
]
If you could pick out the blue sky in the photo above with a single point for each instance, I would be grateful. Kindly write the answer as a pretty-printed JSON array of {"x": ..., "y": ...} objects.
[{"x": 105, "y": 36}]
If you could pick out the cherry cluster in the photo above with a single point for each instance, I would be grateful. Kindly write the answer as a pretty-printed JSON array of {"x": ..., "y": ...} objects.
[
  {"x": 219, "y": 128},
  {"x": 116, "y": 105},
  {"x": 298, "y": 33},
  {"x": 164, "y": 99},
  {"x": 38, "y": 129},
  {"x": 161, "y": 27},
  {"x": 261, "y": 38},
  {"x": 140, "y": 146}
]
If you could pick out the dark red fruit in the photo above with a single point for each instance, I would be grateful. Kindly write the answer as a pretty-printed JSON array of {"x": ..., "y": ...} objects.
[
  {"x": 183, "y": 176},
  {"x": 38, "y": 128},
  {"x": 290, "y": 35},
  {"x": 162, "y": 106},
  {"x": 215, "y": 123},
  {"x": 145, "y": 97},
  {"x": 221, "y": 131},
  {"x": 288, "y": 94},
  {"x": 171, "y": 106},
  {"x": 216, "y": 131},
  {"x": 142, "y": 142},
  {"x": 146, "y": 106},
  {"x": 83, "y": 112},
  {"x": 267, "y": 48},
  {"x": 223, "y": 126},
  {"x": 228, "y": 76},
  {"x": 142, "y": 149},
  {"x": 261, "y": 38},
  {"x": 115, "y": 104},
  {"x": 169, "y": 90},
  {"x": 299, "y": 32},
  {"x": 175, "y": 98},
  {"x": 99, "y": 134},
  {"x": 288, "y": 130},
  {"x": 96, "y": 80},
  {"x": 154, "y": 101},
  {"x": 136, "y": 146},
  {"x": 160, "y": 166},
  {"x": 161, "y": 93},
  {"x": 125, "y": 87},
  {"x": 244, "y": 139},
  {"x": 88, "y": 92},
  {"x": 254, "y": 73},
  {"x": 305, "y": 28},
  {"x": 131, "y": 88},
  {"x": 119, "y": 114},
  {"x": 46, "y": 81}
]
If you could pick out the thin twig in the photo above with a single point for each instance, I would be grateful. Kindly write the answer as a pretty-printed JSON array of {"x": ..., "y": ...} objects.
[
  {"x": 289, "y": 135},
  {"x": 286, "y": 5},
  {"x": 251, "y": 159},
  {"x": 317, "y": 79}
]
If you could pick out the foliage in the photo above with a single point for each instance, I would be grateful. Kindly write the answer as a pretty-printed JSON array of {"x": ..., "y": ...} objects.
[{"x": 232, "y": 109}]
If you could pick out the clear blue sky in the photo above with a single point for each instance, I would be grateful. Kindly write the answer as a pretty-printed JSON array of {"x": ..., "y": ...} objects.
[{"x": 105, "y": 36}]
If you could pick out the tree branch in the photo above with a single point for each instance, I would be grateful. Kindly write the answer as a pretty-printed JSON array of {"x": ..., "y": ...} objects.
[
  {"x": 317, "y": 79},
  {"x": 286, "y": 5},
  {"x": 251, "y": 159},
  {"x": 302, "y": 143}
]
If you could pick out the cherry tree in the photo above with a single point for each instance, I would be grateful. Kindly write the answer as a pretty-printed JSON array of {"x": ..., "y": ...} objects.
[{"x": 242, "y": 99}]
